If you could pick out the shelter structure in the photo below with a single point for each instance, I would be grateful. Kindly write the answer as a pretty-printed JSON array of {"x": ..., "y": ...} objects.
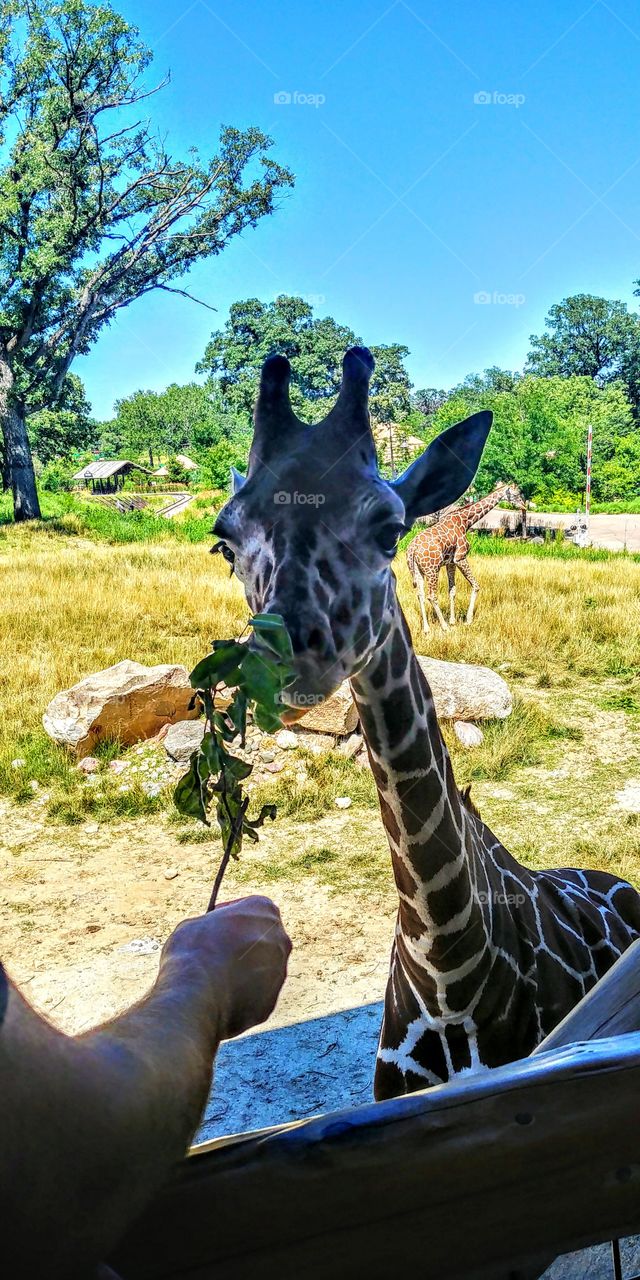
[{"x": 108, "y": 477}]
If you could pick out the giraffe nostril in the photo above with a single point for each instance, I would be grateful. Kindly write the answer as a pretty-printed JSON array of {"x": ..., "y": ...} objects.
[{"x": 315, "y": 640}]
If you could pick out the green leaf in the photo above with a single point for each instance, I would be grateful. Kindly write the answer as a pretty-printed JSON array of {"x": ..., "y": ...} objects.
[
  {"x": 272, "y": 632},
  {"x": 260, "y": 679},
  {"x": 218, "y": 666},
  {"x": 266, "y": 719},
  {"x": 211, "y": 752},
  {"x": 188, "y": 795},
  {"x": 227, "y": 811}
]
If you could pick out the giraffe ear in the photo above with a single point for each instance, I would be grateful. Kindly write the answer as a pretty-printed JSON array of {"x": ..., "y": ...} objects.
[
  {"x": 445, "y": 470},
  {"x": 237, "y": 480}
]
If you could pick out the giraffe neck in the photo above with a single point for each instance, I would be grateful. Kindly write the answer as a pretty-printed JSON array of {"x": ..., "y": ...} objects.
[
  {"x": 429, "y": 829},
  {"x": 476, "y": 510}
]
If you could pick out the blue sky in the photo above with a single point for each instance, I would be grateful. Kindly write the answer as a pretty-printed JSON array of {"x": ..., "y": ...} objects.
[{"x": 411, "y": 197}]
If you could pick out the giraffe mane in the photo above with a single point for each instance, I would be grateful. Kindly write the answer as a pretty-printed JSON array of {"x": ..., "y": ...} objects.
[{"x": 465, "y": 796}]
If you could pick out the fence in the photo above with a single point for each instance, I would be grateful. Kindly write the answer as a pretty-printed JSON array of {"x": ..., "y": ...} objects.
[{"x": 489, "y": 1177}]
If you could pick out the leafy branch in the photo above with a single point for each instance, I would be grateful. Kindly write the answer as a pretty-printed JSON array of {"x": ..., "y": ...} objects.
[{"x": 258, "y": 672}]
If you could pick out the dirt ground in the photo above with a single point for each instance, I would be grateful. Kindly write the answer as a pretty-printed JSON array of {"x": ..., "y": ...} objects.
[{"x": 83, "y": 911}]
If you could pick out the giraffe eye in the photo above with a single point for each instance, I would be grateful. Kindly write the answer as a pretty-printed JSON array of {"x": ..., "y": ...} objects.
[
  {"x": 225, "y": 551},
  {"x": 389, "y": 536}
]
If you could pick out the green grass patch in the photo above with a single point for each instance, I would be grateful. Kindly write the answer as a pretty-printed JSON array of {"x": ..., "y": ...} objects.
[
  {"x": 71, "y": 516},
  {"x": 622, "y": 701},
  {"x": 327, "y": 777}
]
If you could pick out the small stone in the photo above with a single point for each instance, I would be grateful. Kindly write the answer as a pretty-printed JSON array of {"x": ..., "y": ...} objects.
[
  {"x": 140, "y": 946},
  {"x": 90, "y": 828},
  {"x": 350, "y": 746},
  {"x": 89, "y": 765},
  {"x": 118, "y": 766},
  {"x": 469, "y": 735},
  {"x": 35, "y": 786},
  {"x": 286, "y": 739},
  {"x": 183, "y": 739},
  {"x": 151, "y": 789},
  {"x": 267, "y": 755},
  {"x": 343, "y": 802},
  {"x": 93, "y": 928},
  {"x": 274, "y": 766},
  {"x": 317, "y": 743},
  {"x": 171, "y": 873},
  {"x": 17, "y": 764}
]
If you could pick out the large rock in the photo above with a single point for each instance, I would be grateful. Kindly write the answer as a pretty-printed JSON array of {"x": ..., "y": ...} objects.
[
  {"x": 462, "y": 691},
  {"x": 127, "y": 701},
  {"x": 336, "y": 715},
  {"x": 183, "y": 738}
]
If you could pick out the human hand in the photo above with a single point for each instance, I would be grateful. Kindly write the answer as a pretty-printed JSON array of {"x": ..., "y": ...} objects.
[{"x": 239, "y": 954}]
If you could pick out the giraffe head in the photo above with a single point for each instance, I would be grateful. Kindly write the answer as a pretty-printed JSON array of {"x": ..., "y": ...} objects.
[
  {"x": 312, "y": 531},
  {"x": 512, "y": 493}
]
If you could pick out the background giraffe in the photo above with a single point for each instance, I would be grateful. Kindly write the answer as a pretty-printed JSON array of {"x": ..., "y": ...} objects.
[
  {"x": 488, "y": 956},
  {"x": 446, "y": 542}
]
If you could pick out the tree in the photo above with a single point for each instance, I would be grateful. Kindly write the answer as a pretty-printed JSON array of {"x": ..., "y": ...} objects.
[
  {"x": 539, "y": 436},
  {"x": 181, "y": 419},
  {"x": 315, "y": 347},
  {"x": 68, "y": 429},
  {"x": 590, "y": 337},
  {"x": 94, "y": 212}
]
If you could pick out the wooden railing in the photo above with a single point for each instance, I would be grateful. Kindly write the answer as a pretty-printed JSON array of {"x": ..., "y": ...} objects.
[{"x": 490, "y": 1176}]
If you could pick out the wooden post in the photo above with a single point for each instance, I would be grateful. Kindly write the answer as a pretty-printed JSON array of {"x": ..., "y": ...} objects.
[{"x": 490, "y": 1176}]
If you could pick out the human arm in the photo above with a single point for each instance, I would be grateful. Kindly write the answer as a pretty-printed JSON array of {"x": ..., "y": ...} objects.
[{"x": 92, "y": 1126}]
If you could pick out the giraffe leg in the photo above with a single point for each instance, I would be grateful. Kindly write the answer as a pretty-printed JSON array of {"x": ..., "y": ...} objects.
[
  {"x": 432, "y": 585},
  {"x": 418, "y": 582},
  {"x": 463, "y": 566},
  {"x": 451, "y": 575}
]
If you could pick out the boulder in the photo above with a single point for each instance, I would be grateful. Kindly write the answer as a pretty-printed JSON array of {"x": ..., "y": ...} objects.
[
  {"x": 128, "y": 702},
  {"x": 462, "y": 691},
  {"x": 337, "y": 715},
  {"x": 468, "y": 735},
  {"x": 183, "y": 738}
]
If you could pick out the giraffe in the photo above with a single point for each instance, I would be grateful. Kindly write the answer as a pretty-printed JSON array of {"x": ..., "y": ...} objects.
[
  {"x": 487, "y": 955},
  {"x": 447, "y": 543}
]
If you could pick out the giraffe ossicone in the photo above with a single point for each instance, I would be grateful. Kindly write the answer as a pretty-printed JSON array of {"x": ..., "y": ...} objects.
[{"x": 488, "y": 956}]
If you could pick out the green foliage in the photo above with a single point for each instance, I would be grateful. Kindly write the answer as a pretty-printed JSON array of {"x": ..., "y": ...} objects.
[
  {"x": 539, "y": 434},
  {"x": 68, "y": 515},
  {"x": 590, "y": 337},
  {"x": 258, "y": 673},
  {"x": 56, "y": 433},
  {"x": 315, "y": 347},
  {"x": 94, "y": 211}
]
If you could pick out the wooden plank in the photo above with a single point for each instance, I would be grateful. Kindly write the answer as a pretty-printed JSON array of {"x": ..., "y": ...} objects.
[
  {"x": 471, "y": 1179},
  {"x": 611, "y": 1008}
]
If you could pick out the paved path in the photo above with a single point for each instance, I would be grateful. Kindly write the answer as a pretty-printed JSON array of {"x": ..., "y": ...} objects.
[
  {"x": 176, "y": 506},
  {"x": 615, "y": 533}
]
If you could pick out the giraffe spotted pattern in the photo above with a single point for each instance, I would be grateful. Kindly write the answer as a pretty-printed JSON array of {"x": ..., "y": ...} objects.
[
  {"x": 446, "y": 543},
  {"x": 488, "y": 956}
]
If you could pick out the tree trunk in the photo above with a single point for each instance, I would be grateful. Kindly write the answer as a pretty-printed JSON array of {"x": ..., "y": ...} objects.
[{"x": 17, "y": 451}]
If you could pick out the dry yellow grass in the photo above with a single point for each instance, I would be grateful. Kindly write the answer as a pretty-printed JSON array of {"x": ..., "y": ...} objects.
[
  {"x": 565, "y": 633},
  {"x": 70, "y": 608}
]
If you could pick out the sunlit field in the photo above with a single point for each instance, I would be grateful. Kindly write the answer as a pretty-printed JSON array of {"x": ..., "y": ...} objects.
[
  {"x": 558, "y": 781},
  {"x": 561, "y": 631}
]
